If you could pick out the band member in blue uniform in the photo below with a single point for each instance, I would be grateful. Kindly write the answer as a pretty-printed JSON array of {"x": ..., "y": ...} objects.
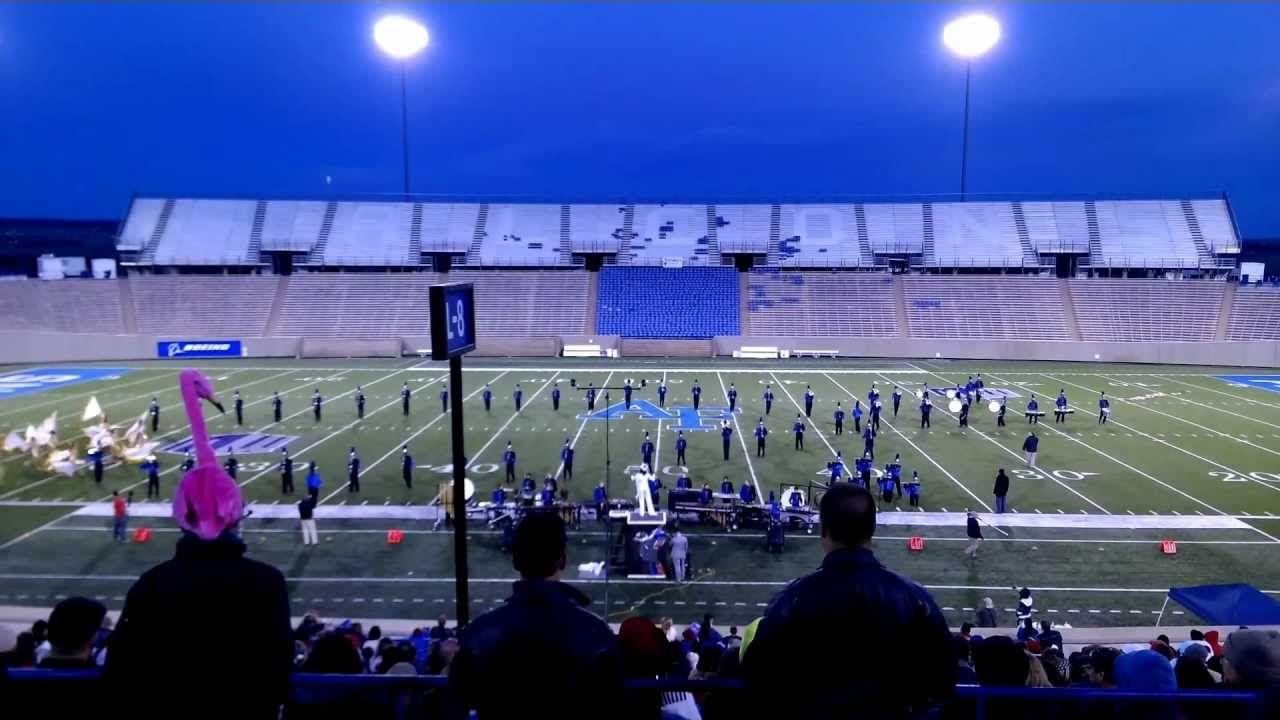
[
  {"x": 591, "y": 398},
  {"x": 808, "y": 401},
  {"x": 626, "y": 393},
  {"x": 353, "y": 472},
  {"x": 405, "y": 393},
  {"x": 487, "y": 396},
  {"x": 509, "y": 460},
  {"x": 662, "y": 393},
  {"x": 839, "y": 418},
  {"x": 555, "y": 397},
  {"x": 1104, "y": 409},
  {"x": 359, "y": 402},
  {"x": 696, "y": 392},
  {"x": 926, "y": 407},
  {"x": 277, "y": 406},
  {"x": 733, "y": 397},
  {"x": 566, "y": 457},
  {"x": 726, "y": 432},
  {"x": 1033, "y": 411},
  {"x": 761, "y": 433},
  {"x": 798, "y": 429},
  {"x": 768, "y": 399},
  {"x": 646, "y": 450},
  {"x": 317, "y": 404},
  {"x": 238, "y": 403},
  {"x": 681, "y": 445},
  {"x": 518, "y": 396},
  {"x": 1060, "y": 407},
  {"x": 154, "y": 411},
  {"x": 897, "y": 400}
]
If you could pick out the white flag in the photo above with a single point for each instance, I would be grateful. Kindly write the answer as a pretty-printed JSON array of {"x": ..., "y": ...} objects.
[{"x": 92, "y": 410}]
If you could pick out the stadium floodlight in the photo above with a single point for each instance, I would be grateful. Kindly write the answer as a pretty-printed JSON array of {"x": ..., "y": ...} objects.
[
  {"x": 402, "y": 38},
  {"x": 969, "y": 36}
]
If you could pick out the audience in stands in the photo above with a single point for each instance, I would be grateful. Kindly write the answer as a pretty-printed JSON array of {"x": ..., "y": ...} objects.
[
  {"x": 73, "y": 629},
  {"x": 851, "y": 602}
]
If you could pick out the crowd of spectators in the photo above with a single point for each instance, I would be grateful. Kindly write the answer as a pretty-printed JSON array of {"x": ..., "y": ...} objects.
[{"x": 852, "y": 639}]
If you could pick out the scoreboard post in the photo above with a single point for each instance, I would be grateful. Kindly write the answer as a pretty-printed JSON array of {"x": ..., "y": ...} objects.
[{"x": 453, "y": 334}]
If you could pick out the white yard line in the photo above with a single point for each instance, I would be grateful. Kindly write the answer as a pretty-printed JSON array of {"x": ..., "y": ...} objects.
[
  {"x": 407, "y": 440},
  {"x": 1219, "y": 392},
  {"x": 514, "y": 415},
  {"x": 1195, "y": 424},
  {"x": 657, "y": 442},
  {"x": 1182, "y": 450},
  {"x": 583, "y": 426},
  {"x": 737, "y": 429},
  {"x": 168, "y": 376},
  {"x": 800, "y": 411},
  {"x": 923, "y": 454},
  {"x": 344, "y": 428},
  {"x": 1018, "y": 457}
]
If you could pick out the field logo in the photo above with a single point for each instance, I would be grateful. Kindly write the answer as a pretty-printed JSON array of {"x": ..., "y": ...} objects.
[
  {"x": 199, "y": 348},
  {"x": 1261, "y": 382},
  {"x": 34, "y": 380},
  {"x": 681, "y": 418},
  {"x": 239, "y": 443}
]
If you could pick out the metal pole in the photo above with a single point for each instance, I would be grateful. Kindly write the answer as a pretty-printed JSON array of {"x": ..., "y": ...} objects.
[
  {"x": 459, "y": 494},
  {"x": 404, "y": 128},
  {"x": 964, "y": 148}
]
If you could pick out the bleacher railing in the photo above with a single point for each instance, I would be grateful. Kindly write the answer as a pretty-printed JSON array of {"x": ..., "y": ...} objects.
[{"x": 403, "y": 695}]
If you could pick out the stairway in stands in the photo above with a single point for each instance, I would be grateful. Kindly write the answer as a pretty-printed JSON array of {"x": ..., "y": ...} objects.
[
  {"x": 628, "y": 232},
  {"x": 566, "y": 244},
  {"x": 864, "y": 240},
  {"x": 1095, "y": 235},
  {"x": 926, "y": 217},
  {"x": 477, "y": 238},
  {"x": 322, "y": 238},
  {"x": 1207, "y": 257},
  {"x": 415, "y": 235},
  {"x": 255, "y": 233},
  {"x": 277, "y": 306},
  {"x": 148, "y": 254},
  {"x": 713, "y": 239},
  {"x": 774, "y": 255},
  {"x": 1029, "y": 254},
  {"x": 1069, "y": 309}
]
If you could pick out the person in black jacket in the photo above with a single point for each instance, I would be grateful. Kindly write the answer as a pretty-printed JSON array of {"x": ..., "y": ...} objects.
[
  {"x": 544, "y": 625},
  {"x": 851, "y": 602},
  {"x": 238, "y": 607},
  {"x": 1001, "y": 490},
  {"x": 974, "y": 531}
]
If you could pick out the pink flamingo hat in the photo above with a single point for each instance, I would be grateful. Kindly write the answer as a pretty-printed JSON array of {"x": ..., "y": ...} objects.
[{"x": 207, "y": 501}]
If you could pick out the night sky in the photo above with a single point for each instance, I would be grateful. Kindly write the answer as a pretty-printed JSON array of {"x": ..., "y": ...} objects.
[{"x": 658, "y": 100}]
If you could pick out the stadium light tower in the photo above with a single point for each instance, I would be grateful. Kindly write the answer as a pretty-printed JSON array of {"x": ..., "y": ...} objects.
[
  {"x": 402, "y": 38},
  {"x": 969, "y": 36}
]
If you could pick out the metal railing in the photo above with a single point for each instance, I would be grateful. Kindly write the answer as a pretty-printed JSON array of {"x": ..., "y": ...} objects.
[{"x": 402, "y": 695}]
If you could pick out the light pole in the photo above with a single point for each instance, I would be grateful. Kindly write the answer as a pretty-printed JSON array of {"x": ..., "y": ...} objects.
[
  {"x": 969, "y": 36},
  {"x": 401, "y": 38}
]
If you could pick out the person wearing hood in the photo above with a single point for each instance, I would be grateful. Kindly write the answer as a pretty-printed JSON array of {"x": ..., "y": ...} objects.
[
  {"x": 239, "y": 607},
  {"x": 544, "y": 624}
]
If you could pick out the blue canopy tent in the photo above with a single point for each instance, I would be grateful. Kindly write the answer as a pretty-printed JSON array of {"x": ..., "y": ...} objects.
[{"x": 1237, "y": 604}]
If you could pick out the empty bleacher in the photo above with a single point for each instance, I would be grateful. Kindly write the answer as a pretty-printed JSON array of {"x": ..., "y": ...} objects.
[
  {"x": 1137, "y": 234},
  {"x": 820, "y": 236},
  {"x": 448, "y": 227},
  {"x": 369, "y": 233},
  {"x": 140, "y": 225},
  {"x": 896, "y": 228},
  {"x": 207, "y": 232},
  {"x": 522, "y": 235},
  {"x": 1007, "y": 307},
  {"x": 292, "y": 226},
  {"x": 1255, "y": 314},
  {"x": 596, "y": 228},
  {"x": 975, "y": 234},
  {"x": 211, "y": 305},
  {"x": 670, "y": 303},
  {"x": 1056, "y": 227},
  {"x": 357, "y": 306},
  {"x": 743, "y": 229},
  {"x": 669, "y": 233},
  {"x": 527, "y": 303},
  {"x": 1147, "y": 310},
  {"x": 820, "y": 303},
  {"x": 74, "y": 306},
  {"x": 1216, "y": 226}
]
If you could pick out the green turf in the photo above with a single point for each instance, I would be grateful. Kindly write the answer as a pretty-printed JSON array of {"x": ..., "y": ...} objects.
[{"x": 1180, "y": 441}]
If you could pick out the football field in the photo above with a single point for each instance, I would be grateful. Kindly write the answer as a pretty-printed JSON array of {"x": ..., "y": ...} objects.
[{"x": 1191, "y": 454}]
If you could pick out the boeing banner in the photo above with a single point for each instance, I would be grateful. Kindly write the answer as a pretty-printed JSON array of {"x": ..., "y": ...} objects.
[{"x": 199, "y": 348}]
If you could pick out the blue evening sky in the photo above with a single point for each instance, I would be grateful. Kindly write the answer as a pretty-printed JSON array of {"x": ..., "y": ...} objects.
[{"x": 654, "y": 100}]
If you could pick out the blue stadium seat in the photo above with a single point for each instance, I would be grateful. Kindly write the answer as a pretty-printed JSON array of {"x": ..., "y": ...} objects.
[{"x": 683, "y": 303}]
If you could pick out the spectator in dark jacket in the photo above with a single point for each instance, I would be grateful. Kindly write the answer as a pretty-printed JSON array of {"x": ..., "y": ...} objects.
[
  {"x": 851, "y": 602},
  {"x": 987, "y": 614},
  {"x": 1048, "y": 636},
  {"x": 240, "y": 609},
  {"x": 73, "y": 626},
  {"x": 547, "y": 653},
  {"x": 1001, "y": 490}
]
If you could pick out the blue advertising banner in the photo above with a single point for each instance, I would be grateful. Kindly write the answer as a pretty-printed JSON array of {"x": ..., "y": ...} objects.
[{"x": 199, "y": 348}]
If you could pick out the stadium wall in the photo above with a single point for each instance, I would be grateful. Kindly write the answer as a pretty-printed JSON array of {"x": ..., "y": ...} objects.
[{"x": 1234, "y": 354}]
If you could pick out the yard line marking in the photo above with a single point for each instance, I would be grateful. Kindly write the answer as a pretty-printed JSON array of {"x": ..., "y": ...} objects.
[
  {"x": 514, "y": 415},
  {"x": 751, "y": 468},
  {"x": 105, "y": 468},
  {"x": 399, "y": 580},
  {"x": 167, "y": 377},
  {"x": 1219, "y": 392},
  {"x": 1188, "y": 452},
  {"x": 342, "y": 429},
  {"x": 923, "y": 454},
  {"x": 407, "y": 440},
  {"x": 1145, "y": 474},
  {"x": 1015, "y": 456},
  {"x": 583, "y": 426},
  {"x": 815, "y": 426}
]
